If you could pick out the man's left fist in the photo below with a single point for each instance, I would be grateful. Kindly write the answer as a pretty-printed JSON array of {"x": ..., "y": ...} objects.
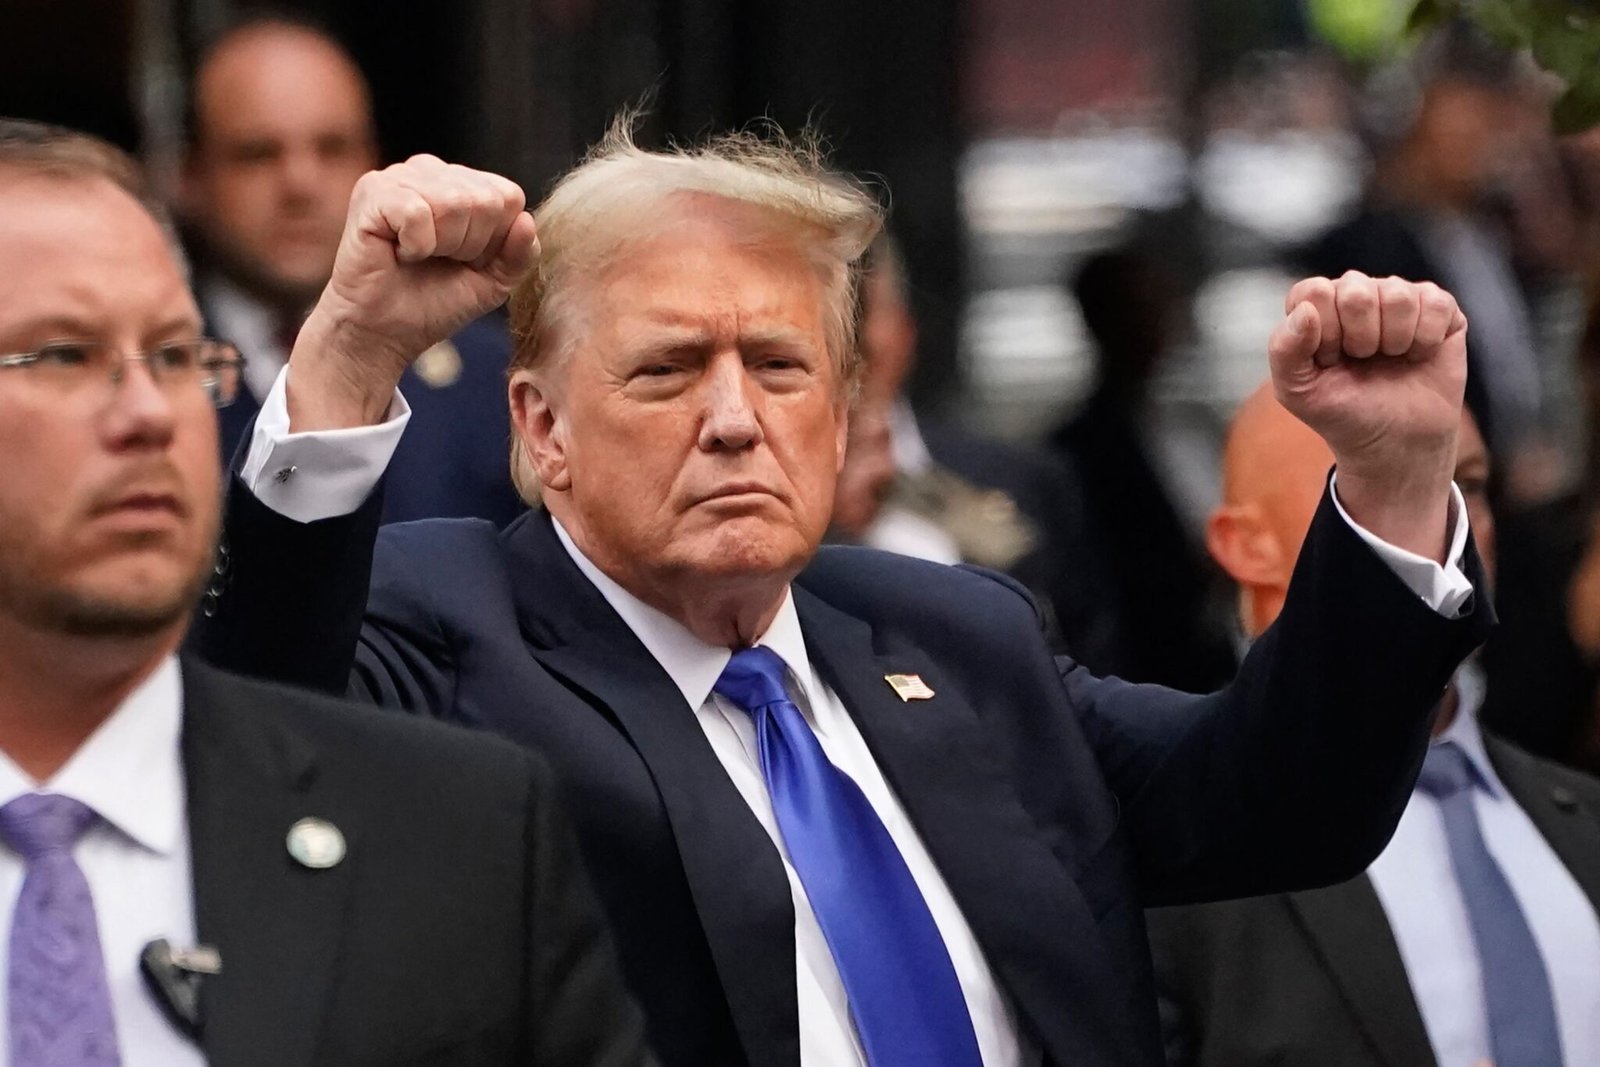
[{"x": 1378, "y": 367}]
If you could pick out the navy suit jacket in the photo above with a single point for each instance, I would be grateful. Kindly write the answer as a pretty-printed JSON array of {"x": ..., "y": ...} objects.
[
  {"x": 1055, "y": 804},
  {"x": 454, "y": 459}
]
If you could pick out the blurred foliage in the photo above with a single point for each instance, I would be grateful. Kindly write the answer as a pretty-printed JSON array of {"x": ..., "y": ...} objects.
[
  {"x": 1364, "y": 31},
  {"x": 1562, "y": 35}
]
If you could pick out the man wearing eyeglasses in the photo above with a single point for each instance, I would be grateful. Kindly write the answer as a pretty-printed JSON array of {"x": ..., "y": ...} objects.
[{"x": 193, "y": 867}]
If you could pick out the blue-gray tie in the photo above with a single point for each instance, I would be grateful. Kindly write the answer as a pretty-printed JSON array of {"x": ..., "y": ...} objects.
[{"x": 1516, "y": 986}]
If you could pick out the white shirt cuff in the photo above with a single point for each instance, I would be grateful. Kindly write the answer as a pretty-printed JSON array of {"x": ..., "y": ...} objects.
[
  {"x": 1445, "y": 589},
  {"x": 320, "y": 473}
]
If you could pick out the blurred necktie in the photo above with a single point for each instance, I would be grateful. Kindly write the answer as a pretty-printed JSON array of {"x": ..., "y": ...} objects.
[
  {"x": 1516, "y": 987},
  {"x": 58, "y": 1004},
  {"x": 904, "y": 996}
]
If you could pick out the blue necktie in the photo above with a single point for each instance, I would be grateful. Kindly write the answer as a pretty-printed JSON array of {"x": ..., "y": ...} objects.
[
  {"x": 902, "y": 987},
  {"x": 1516, "y": 986}
]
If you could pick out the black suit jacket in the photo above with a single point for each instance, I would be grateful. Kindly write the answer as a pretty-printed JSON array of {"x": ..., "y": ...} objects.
[
  {"x": 1053, "y": 803},
  {"x": 458, "y": 929},
  {"x": 1315, "y": 978}
]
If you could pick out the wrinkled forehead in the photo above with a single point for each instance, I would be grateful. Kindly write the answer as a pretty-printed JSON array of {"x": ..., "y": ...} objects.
[{"x": 80, "y": 252}]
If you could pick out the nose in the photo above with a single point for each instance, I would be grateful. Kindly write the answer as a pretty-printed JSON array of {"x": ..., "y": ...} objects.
[
  {"x": 140, "y": 414},
  {"x": 300, "y": 173},
  {"x": 731, "y": 421}
]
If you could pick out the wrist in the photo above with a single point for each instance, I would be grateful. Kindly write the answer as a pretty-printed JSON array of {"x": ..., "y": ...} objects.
[
  {"x": 340, "y": 375},
  {"x": 1408, "y": 506}
]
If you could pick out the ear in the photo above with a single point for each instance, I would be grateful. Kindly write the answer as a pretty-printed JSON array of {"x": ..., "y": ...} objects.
[
  {"x": 539, "y": 428},
  {"x": 1244, "y": 544}
]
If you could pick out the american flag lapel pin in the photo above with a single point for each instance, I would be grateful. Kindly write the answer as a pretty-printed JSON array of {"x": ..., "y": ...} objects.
[{"x": 909, "y": 687}]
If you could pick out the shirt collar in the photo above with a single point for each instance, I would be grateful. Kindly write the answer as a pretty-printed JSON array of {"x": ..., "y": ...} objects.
[
  {"x": 693, "y": 665},
  {"x": 1465, "y": 731},
  {"x": 130, "y": 770}
]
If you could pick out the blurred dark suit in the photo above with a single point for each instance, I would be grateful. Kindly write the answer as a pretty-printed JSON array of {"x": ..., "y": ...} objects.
[
  {"x": 1020, "y": 510},
  {"x": 1163, "y": 585},
  {"x": 1315, "y": 979}
]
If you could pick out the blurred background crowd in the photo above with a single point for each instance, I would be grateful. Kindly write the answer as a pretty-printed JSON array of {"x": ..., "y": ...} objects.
[{"x": 1096, "y": 212}]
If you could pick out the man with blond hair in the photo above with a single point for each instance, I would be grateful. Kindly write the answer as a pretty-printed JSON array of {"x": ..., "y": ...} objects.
[{"x": 842, "y": 807}]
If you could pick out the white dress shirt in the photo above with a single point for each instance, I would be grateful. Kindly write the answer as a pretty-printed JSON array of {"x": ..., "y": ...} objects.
[
  {"x": 308, "y": 476},
  {"x": 135, "y": 857},
  {"x": 1417, "y": 887}
]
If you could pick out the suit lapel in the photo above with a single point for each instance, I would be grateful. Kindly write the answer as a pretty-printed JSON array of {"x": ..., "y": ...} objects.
[
  {"x": 275, "y": 923},
  {"x": 1014, "y": 893},
  {"x": 1350, "y": 932},
  {"x": 1570, "y": 825},
  {"x": 735, "y": 873}
]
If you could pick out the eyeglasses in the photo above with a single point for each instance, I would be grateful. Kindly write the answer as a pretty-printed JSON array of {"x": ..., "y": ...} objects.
[{"x": 72, "y": 366}]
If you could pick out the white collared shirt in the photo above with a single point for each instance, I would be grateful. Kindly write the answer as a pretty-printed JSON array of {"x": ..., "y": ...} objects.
[
  {"x": 1417, "y": 887},
  {"x": 827, "y": 1036},
  {"x": 135, "y": 857}
]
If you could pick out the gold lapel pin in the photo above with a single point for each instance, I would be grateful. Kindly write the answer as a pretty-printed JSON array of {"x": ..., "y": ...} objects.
[{"x": 909, "y": 687}]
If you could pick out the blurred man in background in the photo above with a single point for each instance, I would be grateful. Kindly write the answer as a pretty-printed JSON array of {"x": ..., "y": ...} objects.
[
  {"x": 1163, "y": 587},
  {"x": 938, "y": 492},
  {"x": 281, "y": 127},
  {"x": 1473, "y": 938},
  {"x": 1436, "y": 210}
]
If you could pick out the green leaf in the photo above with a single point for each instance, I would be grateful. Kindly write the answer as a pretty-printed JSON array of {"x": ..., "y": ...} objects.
[
  {"x": 1577, "y": 110},
  {"x": 1506, "y": 22},
  {"x": 1566, "y": 43}
]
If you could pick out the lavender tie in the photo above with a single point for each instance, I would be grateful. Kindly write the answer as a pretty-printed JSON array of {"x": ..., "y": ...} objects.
[{"x": 59, "y": 1009}]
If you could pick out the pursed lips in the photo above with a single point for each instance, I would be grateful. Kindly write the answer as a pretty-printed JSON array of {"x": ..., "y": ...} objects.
[{"x": 732, "y": 489}]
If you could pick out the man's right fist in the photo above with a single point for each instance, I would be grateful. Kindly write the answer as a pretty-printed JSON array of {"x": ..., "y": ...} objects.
[{"x": 428, "y": 246}]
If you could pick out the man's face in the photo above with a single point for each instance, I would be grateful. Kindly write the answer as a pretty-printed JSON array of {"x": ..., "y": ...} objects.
[
  {"x": 108, "y": 493},
  {"x": 699, "y": 423},
  {"x": 283, "y": 132}
]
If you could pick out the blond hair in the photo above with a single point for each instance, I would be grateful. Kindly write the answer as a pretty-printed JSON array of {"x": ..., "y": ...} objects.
[{"x": 599, "y": 206}]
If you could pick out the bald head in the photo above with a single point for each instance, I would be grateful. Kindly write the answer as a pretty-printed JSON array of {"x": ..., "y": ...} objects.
[
  {"x": 282, "y": 130},
  {"x": 1275, "y": 469}
]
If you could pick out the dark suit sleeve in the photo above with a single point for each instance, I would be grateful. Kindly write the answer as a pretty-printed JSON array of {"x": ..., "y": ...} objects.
[
  {"x": 296, "y": 603},
  {"x": 1294, "y": 775},
  {"x": 287, "y": 599},
  {"x": 579, "y": 1011}
]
